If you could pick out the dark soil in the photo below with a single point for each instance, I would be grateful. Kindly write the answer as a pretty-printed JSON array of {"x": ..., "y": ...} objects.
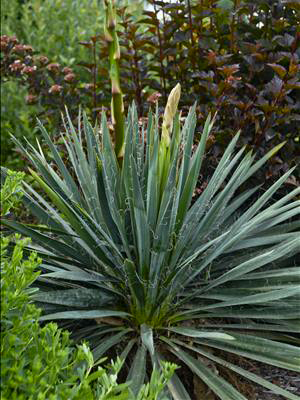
[{"x": 288, "y": 380}]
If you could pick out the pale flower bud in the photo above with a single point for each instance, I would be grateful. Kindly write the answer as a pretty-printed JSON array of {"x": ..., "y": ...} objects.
[{"x": 170, "y": 112}]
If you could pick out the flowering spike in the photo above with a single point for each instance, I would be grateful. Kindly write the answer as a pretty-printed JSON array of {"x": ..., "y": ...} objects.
[
  {"x": 170, "y": 112},
  {"x": 117, "y": 106}
]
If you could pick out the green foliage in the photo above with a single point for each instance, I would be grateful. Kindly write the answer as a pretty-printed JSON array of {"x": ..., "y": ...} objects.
[
  {"x": 19, "y": 123},
  {"x": 41, "y": 362},
  {"x": 35, "y": 362},
  {"x": 49, "y": 85},
  {"x": 54, "y": 28},
  {"x": 163, "y": 274},
  {"x": 10, "y": 194}
]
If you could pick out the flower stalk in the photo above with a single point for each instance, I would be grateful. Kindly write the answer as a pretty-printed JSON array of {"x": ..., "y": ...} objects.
[
  {"x": 117, "y": 105},
  {"x": 167, "y": 127}
]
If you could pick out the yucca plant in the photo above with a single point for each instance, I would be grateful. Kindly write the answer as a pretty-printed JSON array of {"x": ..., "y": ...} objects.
[{"x": 155, "y": 274}]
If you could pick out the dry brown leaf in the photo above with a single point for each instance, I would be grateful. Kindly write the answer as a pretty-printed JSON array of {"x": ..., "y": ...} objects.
[
  {"x": 109, "y": 321},
  {"x": 201, "y": 390}
]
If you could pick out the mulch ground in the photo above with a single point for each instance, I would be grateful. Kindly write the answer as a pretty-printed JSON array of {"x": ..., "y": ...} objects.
[{"x": 288, "y": 380}]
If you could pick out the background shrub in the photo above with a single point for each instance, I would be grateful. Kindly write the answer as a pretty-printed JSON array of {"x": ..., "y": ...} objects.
[
  {"x": 52, "y": 29},
  {"x": 239, "y": 58},
  {"x": 236, "y": 57}
]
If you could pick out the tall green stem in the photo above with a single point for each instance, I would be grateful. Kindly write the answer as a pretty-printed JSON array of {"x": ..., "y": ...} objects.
[{"x": 117, "y": 106}]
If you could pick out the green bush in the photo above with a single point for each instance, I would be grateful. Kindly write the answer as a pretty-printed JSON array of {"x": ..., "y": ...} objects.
[
  {"x": 16, "y": 118},
  {"x": 165, "y": 275},
  {"x": 41, "y": 362},
  {"x": 35, "y": 362},
  {"x": 11, "y": 193},
  {"x": 53, "y": 28}
]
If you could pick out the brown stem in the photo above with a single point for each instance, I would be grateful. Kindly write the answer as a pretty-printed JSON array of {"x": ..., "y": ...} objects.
[
  {"x": 163, "y": 78},
  {"x": 190, "y": 21},
  {"x": 135, "y": 73},
  {"x": 191, "y": 30},
  {"x": 94, "y": 79},
  {"x": 266, "y": 25},
  {"x": 137, "y": 83},
  {"x": 199, "y": 33},
  {"x": 164, "y": 33},
  {"x": 201, "y": 21},
  {"x": 232, "y": 26}
]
